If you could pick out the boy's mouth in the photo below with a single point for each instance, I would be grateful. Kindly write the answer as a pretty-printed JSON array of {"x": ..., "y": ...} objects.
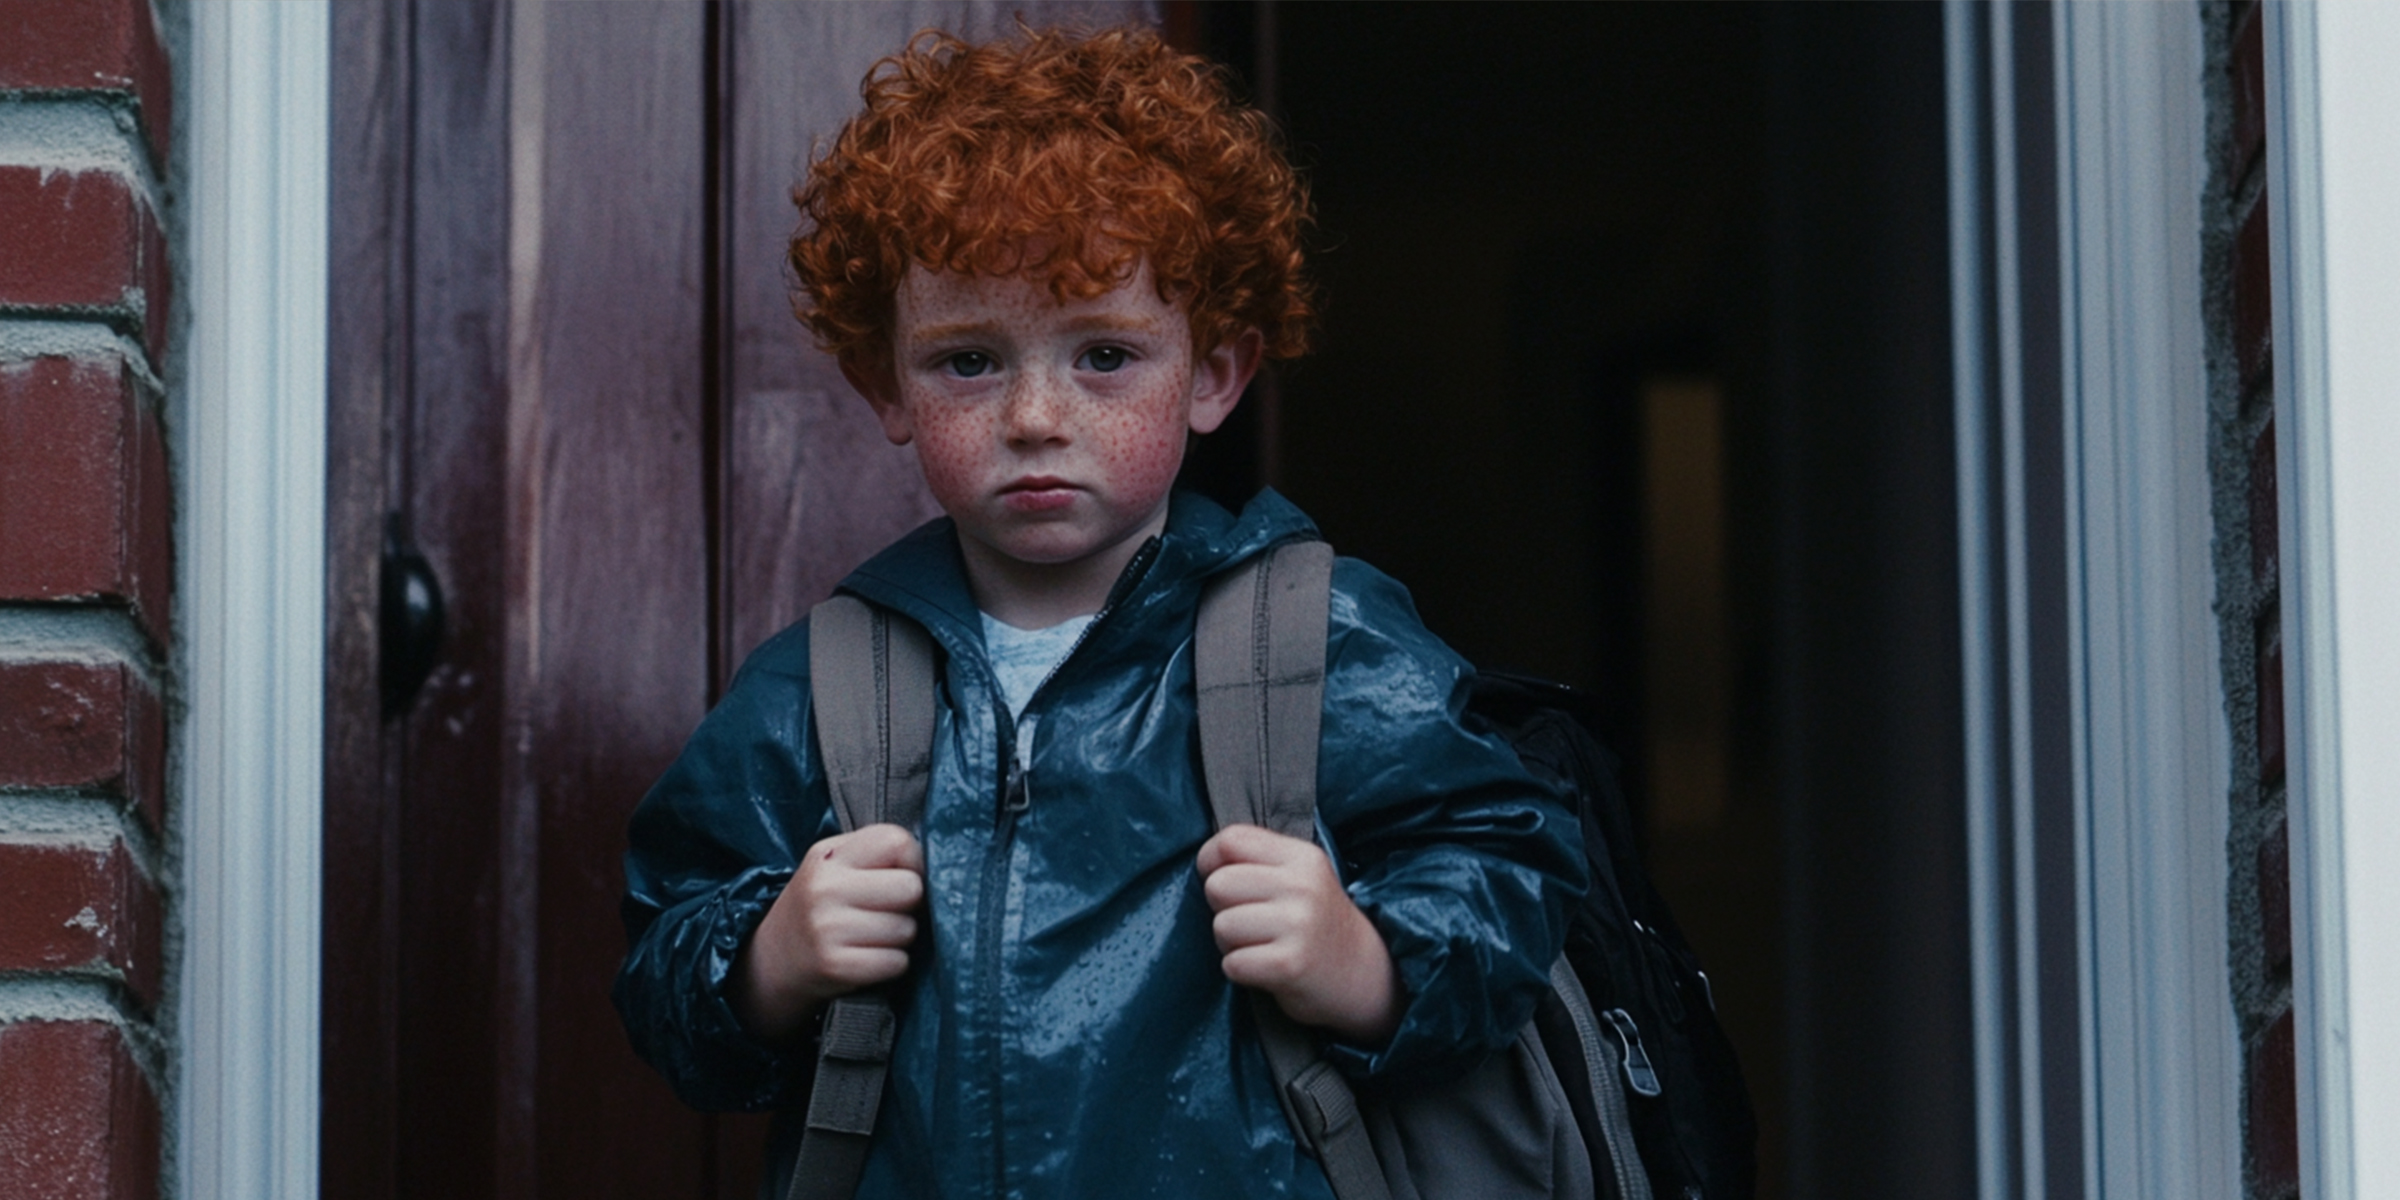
[{"x": 1038, "y": 493}]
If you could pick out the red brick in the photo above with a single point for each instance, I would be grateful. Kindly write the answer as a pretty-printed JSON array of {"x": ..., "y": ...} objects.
[
  {"x": 2248, "y": 66},
  {"x": 65, "y": 907},
  {"x": 2253, "y": 297},
  {"x": 77, "y": 1119},
  {"x": 108, "y": 46},
  {"x": 85, "y": 503},
  {"x": 2269, "y": 728},
  {"x": 85, "y": 727},
  {"x": 2275, "y": 899},
  {"x": 83, "y": 240},
  {"x": 2263, "y": 532},
  {"x": 2274, "y": 1125}
]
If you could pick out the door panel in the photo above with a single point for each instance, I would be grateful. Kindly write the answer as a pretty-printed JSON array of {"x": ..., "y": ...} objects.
[
  {"x": 446, "y": 470},
  {"x": 608, "y": 572}
]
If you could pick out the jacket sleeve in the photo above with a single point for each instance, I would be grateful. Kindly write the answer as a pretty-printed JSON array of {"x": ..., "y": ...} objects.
[
  {"x": 1466, "y": 863},
  {"x": 709, "y": 849}
]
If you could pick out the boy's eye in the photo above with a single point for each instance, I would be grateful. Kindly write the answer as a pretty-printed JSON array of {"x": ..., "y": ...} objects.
[
  {"x": 967, "y": 364},
  {"x": 1104, "y": 358}
]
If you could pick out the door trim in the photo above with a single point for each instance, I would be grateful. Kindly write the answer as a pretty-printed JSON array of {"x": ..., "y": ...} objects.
[
  {"x": 2333, "y": 166},
  {"x": 253, "y": 417}
]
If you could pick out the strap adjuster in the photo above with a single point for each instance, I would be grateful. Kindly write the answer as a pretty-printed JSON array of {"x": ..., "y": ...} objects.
[
  {"x": 857, "y": 1031},
  {"x": 1324, "y": 1101}
]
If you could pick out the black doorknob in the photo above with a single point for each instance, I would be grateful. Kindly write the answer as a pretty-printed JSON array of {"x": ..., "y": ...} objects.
[{"x": 411, "y": 619}]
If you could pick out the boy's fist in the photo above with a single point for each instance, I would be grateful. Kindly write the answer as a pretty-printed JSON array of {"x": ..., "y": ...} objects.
[
  {"x": 844, "y": 922},
  {"x": 1287, "y": 928}
]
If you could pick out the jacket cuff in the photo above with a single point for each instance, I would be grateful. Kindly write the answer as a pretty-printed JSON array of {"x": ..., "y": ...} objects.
[
  {"x": 1463, "y": 1001},
  {"x": 757, "y": 1076}
]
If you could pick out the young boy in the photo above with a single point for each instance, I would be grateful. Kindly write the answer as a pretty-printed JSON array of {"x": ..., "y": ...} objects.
[{"x": 1046, "y": 263}]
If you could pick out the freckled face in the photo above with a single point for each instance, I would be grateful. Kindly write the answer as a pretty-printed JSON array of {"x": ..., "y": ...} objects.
[{"x": 1051, "y": 433}]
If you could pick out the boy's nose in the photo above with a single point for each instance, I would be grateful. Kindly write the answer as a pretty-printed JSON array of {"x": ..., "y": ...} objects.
[{"x": 1035, "y": 407}]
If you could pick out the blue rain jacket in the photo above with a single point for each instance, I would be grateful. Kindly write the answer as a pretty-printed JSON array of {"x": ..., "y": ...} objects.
[{"x": 1065, "y": 1030}]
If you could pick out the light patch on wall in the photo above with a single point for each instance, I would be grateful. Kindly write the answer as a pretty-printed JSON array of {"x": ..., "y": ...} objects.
[{"x": 1687, "y": 676}]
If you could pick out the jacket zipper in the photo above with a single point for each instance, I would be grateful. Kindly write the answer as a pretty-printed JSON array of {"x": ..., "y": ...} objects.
[{"x": 1015, "y": 796}]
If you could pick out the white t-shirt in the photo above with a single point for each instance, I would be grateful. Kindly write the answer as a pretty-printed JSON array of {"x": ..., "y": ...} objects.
[{"x": 1021, "y": 660}]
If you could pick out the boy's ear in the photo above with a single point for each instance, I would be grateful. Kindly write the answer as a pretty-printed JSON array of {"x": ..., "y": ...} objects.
[
  {"x": 1219, "y": 377},
  {"x": 875, "y": 380}
]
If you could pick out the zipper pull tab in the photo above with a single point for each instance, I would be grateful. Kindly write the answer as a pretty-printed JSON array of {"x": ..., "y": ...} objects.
[
  {"x": 1019, "y": 796},
  {"x": 1638, "y": 1074}
]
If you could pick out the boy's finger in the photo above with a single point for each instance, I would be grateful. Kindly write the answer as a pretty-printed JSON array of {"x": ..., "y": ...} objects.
[
  {"x": 1249, "y": 925},
  {"x": 865, "y": 928},
  {"x": 860, "y": 967},
  {"x": 1250, "y": 844},
  {"x": 1261, "y": 966},
  {"x": 877, "y": 846},
  {"x": 1246, "y": 883},
  {"x": 885, "y": 889}
]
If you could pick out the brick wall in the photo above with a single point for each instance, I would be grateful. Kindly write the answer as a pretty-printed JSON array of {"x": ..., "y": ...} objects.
[
  {"x": 86, "y": 579},
  {"x": 2242, "y": 477}
]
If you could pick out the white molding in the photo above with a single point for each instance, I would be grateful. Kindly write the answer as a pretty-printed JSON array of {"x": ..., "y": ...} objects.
[
  {"x": 253, "y": 598},
  {"x": 2162, "y": 1061},
  {"x": 2333, "y": 169},
  {"x": 1971, "y": 407}
]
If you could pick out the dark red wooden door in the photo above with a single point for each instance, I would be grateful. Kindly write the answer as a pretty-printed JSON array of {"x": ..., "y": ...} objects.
[{"x": 564, "y": 369}]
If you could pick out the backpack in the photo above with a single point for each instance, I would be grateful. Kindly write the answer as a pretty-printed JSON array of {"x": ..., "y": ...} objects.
[{"x": 1622, "y": 1087}]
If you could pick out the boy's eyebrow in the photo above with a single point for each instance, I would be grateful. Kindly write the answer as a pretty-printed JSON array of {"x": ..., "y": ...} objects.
[
  {"x": 955, "y": 329},
  {"x": 1110, "y": 321}
]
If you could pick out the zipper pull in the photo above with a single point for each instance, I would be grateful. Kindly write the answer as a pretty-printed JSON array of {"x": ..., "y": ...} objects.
[
  {"x": 1638, "y": 1074},
  {"x": 1018, "y": 795}
]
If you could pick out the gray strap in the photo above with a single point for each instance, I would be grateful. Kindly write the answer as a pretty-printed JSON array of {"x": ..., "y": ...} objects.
[
  {"x": 871, "y": 684},
  {"x": 1608, "y": 1095},
  {"x": 1258, "y": 660},
  {"x": 878, "y": 755}
]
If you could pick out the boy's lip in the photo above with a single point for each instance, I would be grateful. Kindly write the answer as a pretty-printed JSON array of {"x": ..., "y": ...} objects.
[
  {"x": 1036, "y": 483},
  {"x": 1038, "y": 494}
]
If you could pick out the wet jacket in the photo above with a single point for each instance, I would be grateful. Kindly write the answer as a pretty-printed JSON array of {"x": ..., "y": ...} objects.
[{"x": 1066, "y": 1030}]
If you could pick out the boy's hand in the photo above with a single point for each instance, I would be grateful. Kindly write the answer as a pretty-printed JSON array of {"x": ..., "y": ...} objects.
[
  {"x": 844, "y": 922},
  {"x": 1287, "y": 928}
]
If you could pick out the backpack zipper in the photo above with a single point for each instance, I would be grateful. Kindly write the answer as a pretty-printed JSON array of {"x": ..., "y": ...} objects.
[
  {"x": 1638, "y": 1073},
  {"x": 1608, "y": 1097}
]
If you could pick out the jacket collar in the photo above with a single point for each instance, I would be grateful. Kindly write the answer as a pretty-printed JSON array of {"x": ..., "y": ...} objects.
[{"x": 924, "y": 577}]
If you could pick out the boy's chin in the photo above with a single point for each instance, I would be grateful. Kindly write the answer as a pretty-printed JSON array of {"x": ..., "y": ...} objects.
[{"x": 1043, "y": 550}]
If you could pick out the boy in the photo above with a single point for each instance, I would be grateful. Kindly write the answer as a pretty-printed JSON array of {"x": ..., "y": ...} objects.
[{"x": 1046, "y": 263}]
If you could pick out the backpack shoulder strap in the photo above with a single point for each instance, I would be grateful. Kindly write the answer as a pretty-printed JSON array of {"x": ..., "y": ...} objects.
[
  {"x": 870, "y": 682},
  {"x": 871, "y": 686},
  {"x": 1258, "y": 660}
]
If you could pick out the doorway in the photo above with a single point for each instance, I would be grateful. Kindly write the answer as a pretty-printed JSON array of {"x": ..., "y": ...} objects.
[
  {"x": 1635, "y": 366},
  {"x": 1635, "y": 369}
]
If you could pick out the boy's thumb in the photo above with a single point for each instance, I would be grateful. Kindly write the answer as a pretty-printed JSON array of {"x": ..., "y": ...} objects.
[{"x": 883, "y": 846}]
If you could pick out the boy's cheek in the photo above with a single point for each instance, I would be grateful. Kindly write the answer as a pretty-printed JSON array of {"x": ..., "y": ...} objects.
[
  {"x": 947, "y": 454},
  {"x": 1141, "y": 454}
]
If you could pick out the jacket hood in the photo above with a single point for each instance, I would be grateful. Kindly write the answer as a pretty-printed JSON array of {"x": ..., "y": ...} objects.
[{"x": 924, "y": 577}]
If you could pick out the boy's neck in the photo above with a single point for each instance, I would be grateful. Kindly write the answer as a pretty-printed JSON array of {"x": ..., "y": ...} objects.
[{"x": 1031, "y": 595}]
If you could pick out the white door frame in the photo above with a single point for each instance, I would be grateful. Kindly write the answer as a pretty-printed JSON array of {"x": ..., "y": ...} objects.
[
  {"x": 2077, "y": 164},
  {"x": 253, "y": 596},
  {"x": 2162, "y": 1059},
  {"x": 2333, "y": 166}
]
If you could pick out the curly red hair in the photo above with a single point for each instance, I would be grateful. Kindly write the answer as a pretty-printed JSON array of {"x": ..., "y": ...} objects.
[{"x": 1073, "y": 156}]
